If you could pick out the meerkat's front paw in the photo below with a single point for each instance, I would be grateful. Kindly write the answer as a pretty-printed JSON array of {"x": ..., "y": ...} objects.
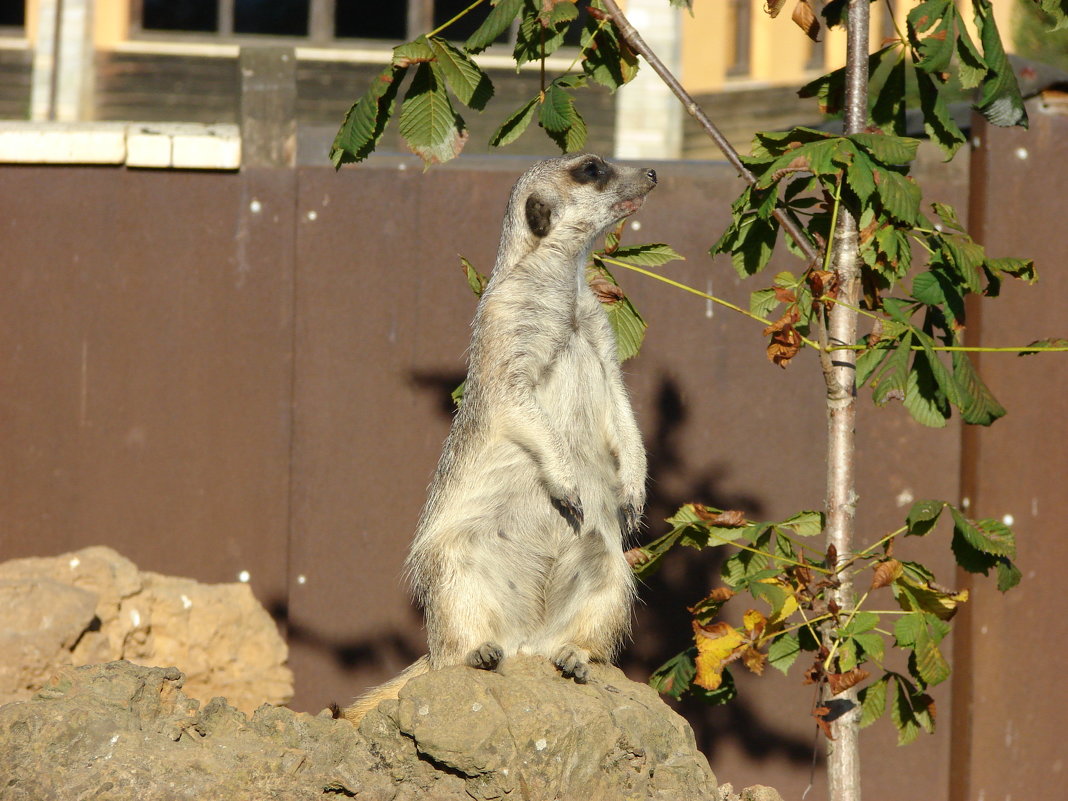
[
  {"x": 629, "y": 518},
  {"x": 486, "y": 657},
  {"x": 573, "y": 662},
  {"x": 570, "y": 507}
]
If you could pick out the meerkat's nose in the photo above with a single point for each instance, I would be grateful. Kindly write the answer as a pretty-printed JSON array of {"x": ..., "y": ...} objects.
[{"x": 651, "y": 175}]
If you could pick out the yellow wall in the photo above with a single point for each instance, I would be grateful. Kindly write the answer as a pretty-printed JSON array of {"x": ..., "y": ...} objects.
[{"x": 779, "y": 50}]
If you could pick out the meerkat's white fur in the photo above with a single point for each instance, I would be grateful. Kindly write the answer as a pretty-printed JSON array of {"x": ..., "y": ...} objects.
[{"x": 520, "y": 546}]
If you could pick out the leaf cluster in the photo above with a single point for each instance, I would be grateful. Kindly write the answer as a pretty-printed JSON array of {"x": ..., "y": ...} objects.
[
  {"x": 937, "y": 62},
  {"x": 443, "y": 71},
  {"x": 773, "y": 565},
  {"x": 813, "y": 175}
]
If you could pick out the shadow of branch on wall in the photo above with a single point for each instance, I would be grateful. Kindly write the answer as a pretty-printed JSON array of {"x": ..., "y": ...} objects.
[{"x": 662, "y": 624}]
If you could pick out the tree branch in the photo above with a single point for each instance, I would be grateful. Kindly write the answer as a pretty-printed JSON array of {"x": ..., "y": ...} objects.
[{"x": 638, "y": 45}]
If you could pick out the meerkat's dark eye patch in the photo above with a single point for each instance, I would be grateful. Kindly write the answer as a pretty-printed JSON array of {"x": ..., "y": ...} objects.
[
  {"x": 539, "y": 216},
  {"x": 592, "y": 171}
]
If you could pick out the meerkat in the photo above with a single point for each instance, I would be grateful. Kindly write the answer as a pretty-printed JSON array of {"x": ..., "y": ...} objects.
[{"x": 519, "y": 548}]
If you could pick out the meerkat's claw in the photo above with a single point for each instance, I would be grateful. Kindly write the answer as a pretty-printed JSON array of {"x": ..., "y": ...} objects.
[
  {"x": 573, "y": 663},
  {"x": 629, "y": 518},
  {"x": 571, "y": 508},
  {"x": 486, "y": 657}
]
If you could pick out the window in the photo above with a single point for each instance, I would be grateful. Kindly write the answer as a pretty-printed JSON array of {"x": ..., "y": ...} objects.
[
  {"x": 740, "y": 27},
  {"x": 12, "y": 13},
  {"x": 319, "y": 20}
]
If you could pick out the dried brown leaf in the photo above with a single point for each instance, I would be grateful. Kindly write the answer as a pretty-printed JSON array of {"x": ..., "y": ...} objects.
[
  {"x": 885, "y": 573},
  {"x": 798, "y": 164},
  {"x": 840, "y": 682},
  {"x": 605, "y": 291},
  {"x": 773, "y": 7},
  {"x": 726, "y": 519},
  {"x": 806, "y": 20},
  {"x": 784, "y": 345},
  {"x": 820, "y": 713},
  {"x": 754, "y": 660}
]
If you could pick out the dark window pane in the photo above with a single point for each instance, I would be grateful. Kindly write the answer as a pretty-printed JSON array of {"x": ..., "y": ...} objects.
[
  {"x": 13, "y": 13},
  {"x": 187, "y": 15},
  {"x": 358, "y": 19},
  {"x": 444, "y": 10},
  {"x": 277, "y": 17}
]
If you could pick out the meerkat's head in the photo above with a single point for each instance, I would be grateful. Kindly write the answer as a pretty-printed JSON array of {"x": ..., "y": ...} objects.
[{"x": 577, "y": 196}]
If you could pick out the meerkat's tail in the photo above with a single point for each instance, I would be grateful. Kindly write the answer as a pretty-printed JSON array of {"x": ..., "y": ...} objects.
[{"x": 373, "y": 697}]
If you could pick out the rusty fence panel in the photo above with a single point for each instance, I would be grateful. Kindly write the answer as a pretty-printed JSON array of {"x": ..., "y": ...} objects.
[{"x": 219, "y": 373}]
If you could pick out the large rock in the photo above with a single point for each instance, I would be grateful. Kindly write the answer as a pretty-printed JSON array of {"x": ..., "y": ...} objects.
[
  {"x": 95, "y": 606},
  {"x": 122, "y": 732}
]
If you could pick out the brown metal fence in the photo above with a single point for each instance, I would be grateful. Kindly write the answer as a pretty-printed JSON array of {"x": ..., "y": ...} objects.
[{"x": 226, "y": 372}]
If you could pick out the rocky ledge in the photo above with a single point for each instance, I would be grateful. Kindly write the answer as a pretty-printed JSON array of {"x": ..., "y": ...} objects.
[{"x": 123, "y": 731}]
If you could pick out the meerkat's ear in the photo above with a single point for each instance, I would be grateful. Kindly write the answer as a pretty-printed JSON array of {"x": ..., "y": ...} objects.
[{"x": 539, "y": 216}]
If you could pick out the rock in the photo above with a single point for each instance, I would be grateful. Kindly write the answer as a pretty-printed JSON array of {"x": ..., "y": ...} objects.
[
  {"x": 95, "y": 606},
  {"x": 125, "y": 732}
]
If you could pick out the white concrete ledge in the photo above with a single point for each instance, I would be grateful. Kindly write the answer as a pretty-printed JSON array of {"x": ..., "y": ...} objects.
[{"x": 187, "y": 146}]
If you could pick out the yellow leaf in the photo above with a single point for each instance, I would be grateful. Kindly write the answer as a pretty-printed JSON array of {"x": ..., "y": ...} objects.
[
  {"x": 754, "y": 622},
  {"x": 715, "y": 646}
]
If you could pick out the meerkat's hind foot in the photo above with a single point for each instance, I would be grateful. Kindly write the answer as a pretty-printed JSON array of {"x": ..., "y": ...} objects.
[
  {"x": 573, "y": 662},
  {"x": 486, "y": 657}
]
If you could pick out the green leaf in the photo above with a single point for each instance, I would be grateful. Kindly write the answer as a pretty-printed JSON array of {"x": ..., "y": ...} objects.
[
  {"x": 476, "y": 280},
  {"x": 971, "y": 67},
  {"x": 539, "y": 37},
  {"x": 756, "y": 242},
  {"x": 930, "y": 664},
  {"x": 923, "y": 397},
  {"x": 948, "y": 216},
  {"x": 428, "y": 122},
  {"x": 901, "y": 713},
  {"x": 514, "y": 126},
  {"x": 868, "y": 361},
  {"x": 978, "y": 404},
  {"x": 628, "y": 326},
  {"x": 937, "y": 120},
  {"x": 1024, "y": 269},
  {"x": 966, "y": 256},
  {"x": 367, "y": 118},
  {"x": 1008, "y": 575},
  {"x": 873, "y": 644},
  {"x": 1001, "y": 102},
  {"x": 653, "y": 254},
  {"x": 922, "y": 517},
  {"x": 783, "y": 651},
  {"x": 989, "y": 536},
  {"x": 674, "y": 676},
  {"x": 467, "y": 81},
  {"x": 891, "y": 382},
  {"x": 561, "y": 119},
  {"x": 1052, "y": 342},
  {"x": 861, "y": 178},
  {"x": 888, "y": 110},
  {"x": 899, "y": 194},
  {"x": 762, "y": 302},
  {"x": 606, "y": 59},
  {"x": 805, "y": 524},
  {"x": 500, "y": 19},
  {"x": 907, "y": 629},
  {"x": 927, "y": 289},
  {"x": 415, "y": 52},
  {"x": 932, "y": 31},
  {"x": 872, "y": 702},
  {"x": 894, "y": 150}
]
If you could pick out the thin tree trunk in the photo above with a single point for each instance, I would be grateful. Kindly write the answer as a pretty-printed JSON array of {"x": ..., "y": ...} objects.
[{"x": 843, "y": 764}]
